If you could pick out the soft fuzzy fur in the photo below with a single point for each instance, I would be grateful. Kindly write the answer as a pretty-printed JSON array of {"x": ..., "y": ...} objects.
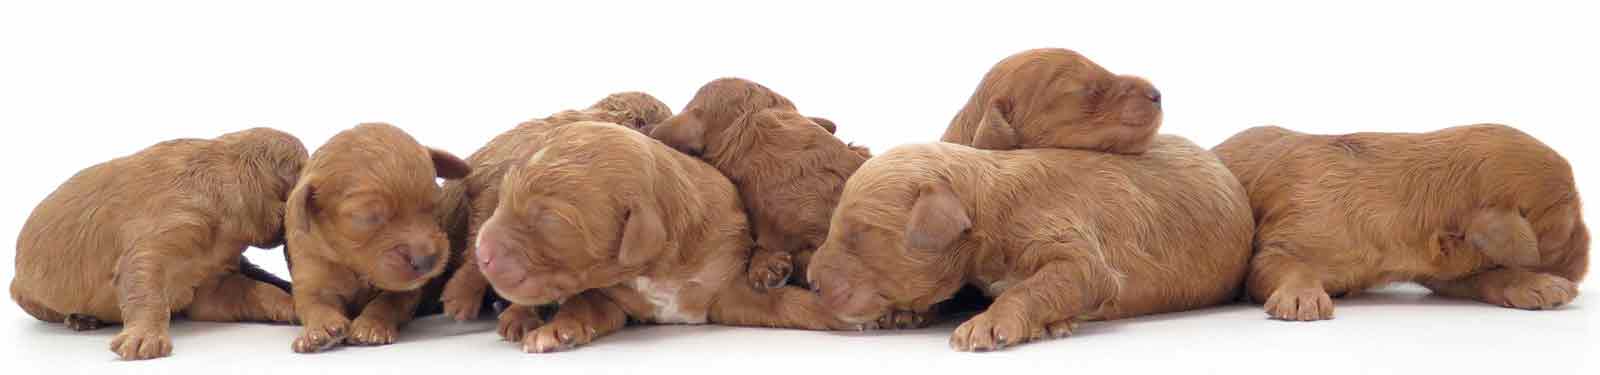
[
  {"x": 142, "y": 237},
  {"x": 788, "y": 168},
  {"x": 1055, "y": 236},
  {"x": 1056, "y": 98},
  {"x": 363, "y": 238},
  {"x": 467, "y": 203},
  {"x": 619, "y": 227},
  {"x": 1481, "y": 211}
]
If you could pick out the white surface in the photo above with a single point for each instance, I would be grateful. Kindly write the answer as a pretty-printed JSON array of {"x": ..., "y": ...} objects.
[{"x": 83, "y": 83}]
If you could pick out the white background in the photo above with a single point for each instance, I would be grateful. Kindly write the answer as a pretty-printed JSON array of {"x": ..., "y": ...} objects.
[{"x": 81, "y": 83}]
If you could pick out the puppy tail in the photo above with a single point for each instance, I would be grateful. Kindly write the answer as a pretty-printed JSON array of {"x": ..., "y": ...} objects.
[{"x": 256, "y": 273}]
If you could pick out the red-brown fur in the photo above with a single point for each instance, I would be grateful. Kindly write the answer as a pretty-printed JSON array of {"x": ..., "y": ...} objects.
[
  {"x": 1056, "y": 98},
  {"x": 142, "y": 237},
  {"x": 1481, "y": 211}
]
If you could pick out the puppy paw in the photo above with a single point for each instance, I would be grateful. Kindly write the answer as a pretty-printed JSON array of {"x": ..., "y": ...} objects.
[
  {"x": 1301, "y": 304},
  {"x": 770, "y": 269},
  {"x": 1060, "y": 329},
  {"x": 557, "y": 336},
  {"x": 319, "y": 337},
  {"x": 992, "y": 331},
  {"x": 1542, "y": 291},
  {"x": 462, "y": 302},
  {"x": 81, "y": 322},
  {"x": 368, "y": 332},
  {"x": 900, "y": 319},
  {"x": 140, "y": 343},
  {"x": 517, "y": 321}
]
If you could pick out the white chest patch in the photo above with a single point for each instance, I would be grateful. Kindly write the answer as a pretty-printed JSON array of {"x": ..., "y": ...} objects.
[
  {"x": 664, "y": 295},
  {"x": 996, "y": 287}
]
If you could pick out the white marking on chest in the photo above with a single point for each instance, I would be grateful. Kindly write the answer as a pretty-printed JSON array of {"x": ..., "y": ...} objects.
[
  {"x": 996, "y": 287},
  {"x": 665, "y": 295}
]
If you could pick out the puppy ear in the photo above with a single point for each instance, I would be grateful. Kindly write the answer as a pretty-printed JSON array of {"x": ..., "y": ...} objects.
[
  {"x": 448, "y": 166},
  {"x": 1504, "y": 236},
  {"x": 643, "y": 236},
  {"x": 937, "y": 219},
  {"x": 825, "y": 124},
  {"x": 994, "y": 131},
  {"x": 687, "y": 135},
  {"x": 303, "y": 199}
]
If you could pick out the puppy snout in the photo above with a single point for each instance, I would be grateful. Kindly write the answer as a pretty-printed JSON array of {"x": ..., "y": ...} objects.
[
  {"x": 1154, "y": 95},
  {"x": 423, "y": 264}
]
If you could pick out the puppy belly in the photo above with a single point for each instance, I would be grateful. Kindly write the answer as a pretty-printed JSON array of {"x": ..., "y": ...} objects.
[{"x": 666, "y": 297}]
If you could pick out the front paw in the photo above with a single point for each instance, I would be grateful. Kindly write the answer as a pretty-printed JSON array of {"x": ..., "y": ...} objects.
[
  {"x": 770, "y": 269},
  {"x": 1542, "y": 291},
  {"x": 367, "y": 331},
  {"x": 993, "y": 331},
  {"x": 135, "y": 343},
  {"x": 517, "y": 321},
  {"x": 462, "y": 299},
  {"x": 557, "y": 335},
  {"x": 1302, "y": 304},
  {"x": 319, "y": 337}
]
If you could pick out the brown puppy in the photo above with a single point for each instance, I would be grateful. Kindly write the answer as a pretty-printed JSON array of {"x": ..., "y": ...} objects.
[
  {"x": 362, "y": 235},
  {"x": 616, "y": 226},
  {"x": 138, "y": 238},
  {"x": 1056, "y": 98},
  {"x": 467, "y": 203},
  {"x": 1480, "y": 211},
  {"x": 788, "y": 168},
  {"x": 1055, "y": 236}
]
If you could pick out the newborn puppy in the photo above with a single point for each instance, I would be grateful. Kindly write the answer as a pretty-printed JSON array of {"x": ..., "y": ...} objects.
[
  {"x": 1480, "y": 211},
  {"x": 788, "y": 168},
  {"x": 1054, "y": 236},
  {"x": 467, "y": 203},
  {"x": 1056, "y": 98},
  {"x": 363, "y": 236},
  {"x": 617, "y": 227},
  {"x": 139, "y": 238}
]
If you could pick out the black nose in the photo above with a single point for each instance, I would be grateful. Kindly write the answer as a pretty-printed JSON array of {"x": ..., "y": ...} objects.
[
  {"x": 1155, "y": 96},
  {"x": 424, "y": 264}
]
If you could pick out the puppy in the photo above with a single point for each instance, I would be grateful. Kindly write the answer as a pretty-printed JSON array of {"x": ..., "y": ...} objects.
[
  {"x": 617, "y": 227},
  {"x": 1481, "y": 211},
  {"x": 1054, "y": 236},
  {"x": 788, "y": 168},
  {"x": 467, "y": 203},
  {"x": 137, "y": 239},
  {"x": 1056, "y": 98},
  {"x": 362, "y": 234}
]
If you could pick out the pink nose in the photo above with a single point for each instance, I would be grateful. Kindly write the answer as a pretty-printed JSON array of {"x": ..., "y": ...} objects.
[{"x": 487, "y": 247}]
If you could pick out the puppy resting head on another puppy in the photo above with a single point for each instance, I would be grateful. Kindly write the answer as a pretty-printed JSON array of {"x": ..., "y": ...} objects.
[
  {"x": 1056, "y": 98},
  {"x": 718, "y": 105}
]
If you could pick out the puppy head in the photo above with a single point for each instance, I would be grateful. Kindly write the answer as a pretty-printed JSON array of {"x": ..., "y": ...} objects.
[
  {"x": 1056, "y": 98},
  {"x": 1563, "y": 238},
  {"x": 579, "y": 214},
  {"x": 368, "y": 197},
  {"x": 713, "y": 109},
  {"x": 273, "y": 159},
  {"x": 891, "y": 247},
  {"x": 633, "y": 109}
]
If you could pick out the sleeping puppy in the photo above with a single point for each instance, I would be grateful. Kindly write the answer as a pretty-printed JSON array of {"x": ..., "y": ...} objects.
[
  {"x": 139, "y": 238},
  {"x": 788, "y": 168},
  {"x": 467, "y": 203},
  {"x": 1054, "y": 236},
  {"x": 617, "y": 227},
  {"x": 1056, "y": 98},
  {"x": 362, "y": 235},
  {"x": 1480, "y": 211}
]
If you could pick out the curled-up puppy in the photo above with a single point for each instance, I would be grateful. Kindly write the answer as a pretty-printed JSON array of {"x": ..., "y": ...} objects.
[
  {"x": 467, "y": 203},
  {"x": 1056, "y": 98},
  {"x": 160, "y": 232},
  {"x": 788, "y": 168},
  {"x": 363, "y": 238},
  {"x": 618, "y": 227},
  {"x": 1054, "y": 236},
  {"x": 1480, "y": 211}
]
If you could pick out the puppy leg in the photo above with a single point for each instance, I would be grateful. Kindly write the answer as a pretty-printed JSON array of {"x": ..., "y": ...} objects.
[
  {"x": 141, "y": 284},
  {"x": 463, "y": 294},
  {"x": 319, "y": 306},
  {"x": 769, "y": 268},
  {"x": 783, "y": 307},
  {"x": 379, "y": 323},
  {"x": 1290, "y": 289},
  {"x": 578, "y": 321},
  {"x": 233, "y": 297},
  {"x": 517, "y": 320},
  {"x": 1044, "y": 303},
  {"x": 1510, "y": 287}
]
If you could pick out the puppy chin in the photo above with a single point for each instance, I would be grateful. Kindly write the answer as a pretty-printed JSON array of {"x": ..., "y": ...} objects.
[{"x": 401, "y": 280}]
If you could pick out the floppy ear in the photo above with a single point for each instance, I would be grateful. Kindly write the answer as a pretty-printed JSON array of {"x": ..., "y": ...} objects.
[
  {"x": 937, "y": 219},
  {"x": 301, "y": 199},
  {"x": 448, "y": 166},
  {"x": 643, "y": 236},
  {"x": 825, "y": 124},
  {"x": 686, "y": 135},
  {"x": 1504, "y": 236},
  {"x": 994, "y": 131}
]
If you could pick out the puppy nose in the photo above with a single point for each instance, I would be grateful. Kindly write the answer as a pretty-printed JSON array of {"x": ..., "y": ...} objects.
[
  {"x": 423, "y": 264},
  {"x": 1155, "y": 95}
]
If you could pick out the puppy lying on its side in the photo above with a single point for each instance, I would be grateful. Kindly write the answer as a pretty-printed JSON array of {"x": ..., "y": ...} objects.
[
  {"x": 467, "y": 203},
  {"x": 1055, "y": 236},
  {"x": 1056, "y": 98},
  {"x": 618, "y": 227},
  {"x": 1480, "y": 211},
  {"x": 138, "y": 238},
  {"x": 362, "y": 235},
  {"x": 788, "y": 168}
]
